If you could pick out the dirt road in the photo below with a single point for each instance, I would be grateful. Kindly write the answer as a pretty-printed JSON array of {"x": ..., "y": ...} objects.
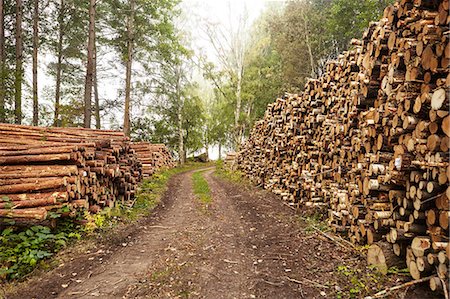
[{"x": 245, "y": 244}]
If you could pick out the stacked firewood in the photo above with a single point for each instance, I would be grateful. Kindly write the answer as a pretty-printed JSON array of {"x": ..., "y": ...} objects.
[
  {"x": 369, "y": 140},
  {"x": 230, "y": 161},
  {"x": 152, "y": 157},
  {"x": 63, "y": 170}
]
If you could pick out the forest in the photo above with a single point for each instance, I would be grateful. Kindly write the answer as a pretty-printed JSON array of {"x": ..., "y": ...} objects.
[
  {"x": 333, "y": 114},
  {"x": 136, "y": 65}
]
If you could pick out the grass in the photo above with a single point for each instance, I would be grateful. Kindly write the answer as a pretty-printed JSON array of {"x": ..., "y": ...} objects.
[
  {"x": 22, "y": 250},
  {"x": 233, "y": 176},
  {"x": 201, "y": 188}
]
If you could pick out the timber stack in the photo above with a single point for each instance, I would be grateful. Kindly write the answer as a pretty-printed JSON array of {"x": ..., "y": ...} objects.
[
  {"x": 152, "y": 157},
  {"x": 369, "y": 140},
  {"x": 63, "y": 170},
  {"x": 230, "y": 161}
]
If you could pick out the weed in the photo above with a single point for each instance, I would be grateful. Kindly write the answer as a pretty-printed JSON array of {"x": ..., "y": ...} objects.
[
  {"x": 22, "y": 250},
  {"x": 234, "y": 176},
  {"x": 201, "y": 188},
  {"x": 360, "y": 282},
  {"x": 314, "y": 222}
]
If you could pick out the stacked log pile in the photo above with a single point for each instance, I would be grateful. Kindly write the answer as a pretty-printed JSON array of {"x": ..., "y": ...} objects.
[
  {"x": 152, "y": 157},
  {"x": 230, "y": 161},
  {"x": 369, "y": 140},
  {"x": 63, "y": 169}
]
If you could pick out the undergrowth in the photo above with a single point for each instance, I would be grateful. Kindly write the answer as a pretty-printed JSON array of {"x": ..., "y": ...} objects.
[
  {"x": 235, "y": 176},
  {"x": 22, "y": 249},
  {"x": 201, "y": 188}
]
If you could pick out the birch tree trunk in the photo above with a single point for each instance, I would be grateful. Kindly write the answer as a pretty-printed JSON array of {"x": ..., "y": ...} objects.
[
  {"x": 2, "y": 62},
  {"x": 89, "y": 67},
  {"x": 35, "y": 62},
  {"x": 59, "y": 62},
  {"x": 220, "y": 151},
  {"x": 19, "y": 61},
  {"x": 129, "y": 60}
]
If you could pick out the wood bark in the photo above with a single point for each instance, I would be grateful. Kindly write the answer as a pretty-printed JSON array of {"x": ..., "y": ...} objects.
[
  {"x": 96, "y": 96},
  {"x": 2, "y": 63},
  {"x": 59, "y": 50},
  {"x": 89, "y": 67},
  {"x": 128, "y": 66},
  {"x": 35, "y": 62},
  {"x": 19, "y": 62}
]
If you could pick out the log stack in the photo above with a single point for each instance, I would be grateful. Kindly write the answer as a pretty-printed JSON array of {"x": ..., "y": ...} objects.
[
  {"x": 230, "y": 161},
  {"x": 63, "y": 170},
  {"x": 369, "y": 140},
  {"x": 152, "y": 157}
]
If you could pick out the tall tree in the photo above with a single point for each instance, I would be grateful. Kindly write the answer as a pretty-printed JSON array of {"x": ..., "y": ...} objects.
[
  {"x": 35, "y": 62},
  {"x": 147, "y": 41},
  {"x": 128, "y": 66},
  {"x": 230, "y": 50},
  {"x": 19, "y": 62},
  {"x": 89, "y": 67},
  {"x": 2, "y": 62},
  {"x": 59, "y": 55},
  {"x": 96, "y": 96}
]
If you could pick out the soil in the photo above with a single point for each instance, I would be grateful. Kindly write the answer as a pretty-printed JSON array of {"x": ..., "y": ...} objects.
[{"x": 245, "y": 244}]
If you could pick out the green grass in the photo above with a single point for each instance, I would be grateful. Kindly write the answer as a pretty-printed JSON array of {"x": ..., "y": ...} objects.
[
  {"x": 201, "y": 188},
  {"x": 233, "y": 176}
]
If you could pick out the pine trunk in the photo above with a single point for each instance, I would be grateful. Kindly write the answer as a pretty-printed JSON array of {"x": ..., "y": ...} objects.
[
  {"x": 2, "y": 63},
  {"x": 96, "y": 98},
  {"x": 19, "y": 61},
  {"x": 35, "y": 62},
  {"x": 129, "y": 60},
  {"x": 59, "y": 63},
  {"x": 89, "y": 67}
]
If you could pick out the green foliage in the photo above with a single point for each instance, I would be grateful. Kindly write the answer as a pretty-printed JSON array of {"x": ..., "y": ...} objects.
[
  {"x": 360, "y": 282},
  {"x": 348, "y": 19},
  {"x": 314, "y": 222},
  {"x": 22, "y": 250},
  {"x": 233, "y": 176},
  {"x": 201, "y": 188}
]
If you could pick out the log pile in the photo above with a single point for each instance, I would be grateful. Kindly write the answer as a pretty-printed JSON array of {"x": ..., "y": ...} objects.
[
  {"x": 230, "y": 161},
  {"x": 369, "y": 140},
  {"x": 63, "y": 170},
  {"x": 152, "y": 157}
]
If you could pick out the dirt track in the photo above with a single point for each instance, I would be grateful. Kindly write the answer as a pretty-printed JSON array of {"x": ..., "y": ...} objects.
[{"x": 246, "y": 244}]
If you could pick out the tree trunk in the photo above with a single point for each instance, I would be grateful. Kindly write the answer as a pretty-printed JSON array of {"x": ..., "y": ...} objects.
[
  {"x": 2, "y": 64},
  {"x": 308, "y": 45},
  {"x": 89, "y": 67},
  {"x": 19, "y": 61},
  {"x": 35, "y": 62},
  {"x": 96, "y": 98},
  {"x": 237, "y": 111},
  {"x": 220, "y": 151},
  {"x": 129, "y": 60},
  {"x": 181, "y": 152},
  {"x": 180, "y": 100},
  {"x": 59, "y": 63}
]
